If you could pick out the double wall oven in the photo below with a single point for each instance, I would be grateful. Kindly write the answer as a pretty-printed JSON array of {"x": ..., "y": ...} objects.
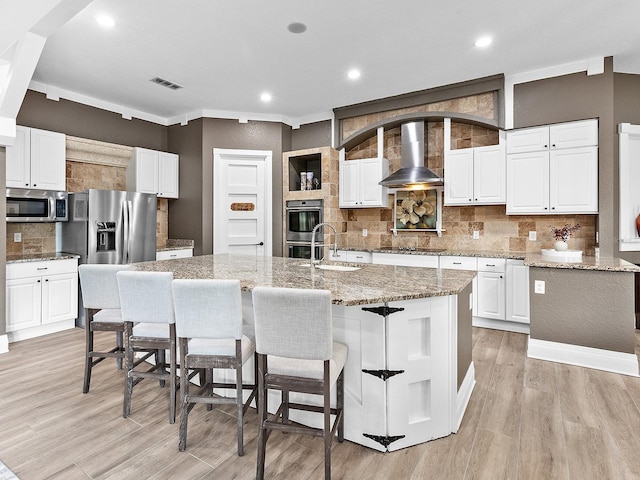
[{"x": 301, "y": 217}]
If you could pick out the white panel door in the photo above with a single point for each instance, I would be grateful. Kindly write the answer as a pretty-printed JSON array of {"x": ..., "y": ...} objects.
[
  {"x": 489, "y": 178},
  {"x": 146, "y": 170},
  {"x": 48, "y": 152},
  {"x": 59, "y": 297},
  {"x": 458, "y": 177},
  {"x": 573, "y": 180},
  {"x": 528, "y": 183},
  {"x": 23, "y": 306},
  {"x": 349, "y": 195},
  {"x": 19, "y": 159},
  {"x": 242, "y": 202},
  {"x": 418, "y": 398},
  {"x": 168, "y": 175}
]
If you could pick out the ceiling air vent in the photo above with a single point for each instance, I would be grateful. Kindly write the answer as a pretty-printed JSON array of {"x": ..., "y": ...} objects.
[{"x": 166, "y": 83}]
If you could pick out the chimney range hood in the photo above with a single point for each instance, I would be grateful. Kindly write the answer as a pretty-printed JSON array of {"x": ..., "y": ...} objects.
[{"x": 413, "y": 171}]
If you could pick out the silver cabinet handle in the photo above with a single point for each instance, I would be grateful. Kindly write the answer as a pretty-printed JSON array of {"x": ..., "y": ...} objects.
[{"x": 42, "y": 268}]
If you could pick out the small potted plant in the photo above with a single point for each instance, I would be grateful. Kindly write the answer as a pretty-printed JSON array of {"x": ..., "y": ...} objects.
[{"x": 562, "y": 236}]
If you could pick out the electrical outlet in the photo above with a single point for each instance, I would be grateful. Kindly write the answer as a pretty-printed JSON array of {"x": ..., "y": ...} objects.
[
  {"x": 365, "y": 232},
  {"x": 538, "y": 286},
  {"x": 533, "y": 236},
  {"x": 476, "y": 234},
  {"x": 17, "y": 237}
]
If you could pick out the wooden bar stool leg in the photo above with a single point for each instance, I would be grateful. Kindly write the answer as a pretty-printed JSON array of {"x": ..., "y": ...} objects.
[
  {"x": 340, "y": 405},
  {"x": 88, "y": 362},
  {"x": 184, "y": 392},
  {"x": 173, "y": 373},
  {"x": 120, "y": 348},
  {"x": 262, "y": 417},
  {"x": 327, "y": 422}
]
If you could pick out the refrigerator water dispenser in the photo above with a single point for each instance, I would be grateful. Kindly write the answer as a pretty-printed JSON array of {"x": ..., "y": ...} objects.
[{"x": 106, "y": 232}]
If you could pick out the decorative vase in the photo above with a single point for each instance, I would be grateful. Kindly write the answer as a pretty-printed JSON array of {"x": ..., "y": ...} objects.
[
  {"x": 560, "y": 246},
  {"x": 638, "y": 224}
]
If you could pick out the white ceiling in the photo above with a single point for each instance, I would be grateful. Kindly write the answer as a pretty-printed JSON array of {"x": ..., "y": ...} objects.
[{"x": 226, "y": 53}]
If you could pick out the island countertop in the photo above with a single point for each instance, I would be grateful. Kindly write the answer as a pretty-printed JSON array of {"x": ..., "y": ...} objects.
[
  {"x": 605, "y": 264},
  {"x": 369, "y": 284}
]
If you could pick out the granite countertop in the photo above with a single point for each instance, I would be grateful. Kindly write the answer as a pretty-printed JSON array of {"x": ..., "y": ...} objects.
[
  {"x": 40, "y": 257},
  {"x": 370, "y": 284},
  {"x": 175, "y": 244},
  {"x": 441, "y": 252},
  {"x": 607, "y": 264}
]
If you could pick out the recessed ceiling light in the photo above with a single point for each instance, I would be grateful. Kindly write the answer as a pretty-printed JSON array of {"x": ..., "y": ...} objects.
[
  {"x": 483, "y": 42},
  {"x": 354, "y": 74},
  {"x": 265, "y": 97},
  {"x": 106, "y": 21},
  {"x": 297, "y": 27}
]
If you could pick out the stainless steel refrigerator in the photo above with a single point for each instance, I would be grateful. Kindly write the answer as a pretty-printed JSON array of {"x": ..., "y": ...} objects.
[{"x": 109, "y": 226}]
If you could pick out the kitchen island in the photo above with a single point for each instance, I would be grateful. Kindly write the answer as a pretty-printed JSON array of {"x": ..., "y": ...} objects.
[
  {"x": 582, "y": 312},
  {"x": 409, "y": 373}
]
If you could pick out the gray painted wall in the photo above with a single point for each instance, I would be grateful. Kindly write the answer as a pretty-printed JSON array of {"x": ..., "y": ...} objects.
[
  {"x": 312, "y": 135},
  {"x": 93, "y": 123},
  {"x": 465, "y": 344},
  {"x": 584, "y": 307}
]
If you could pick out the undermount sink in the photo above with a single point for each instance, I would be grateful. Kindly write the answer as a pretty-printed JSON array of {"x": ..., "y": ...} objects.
[{"x": 335, "y": 267}]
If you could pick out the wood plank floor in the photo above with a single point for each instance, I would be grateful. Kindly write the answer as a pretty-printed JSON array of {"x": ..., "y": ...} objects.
[{"x": 527, "y": 420}]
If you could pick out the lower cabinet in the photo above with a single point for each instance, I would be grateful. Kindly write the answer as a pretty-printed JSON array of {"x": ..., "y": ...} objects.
[
  {"x": 178, "y": 253},
  {"x": 490, "y": 289},
  {"x": 407, "y": 260},
  {"x": 41, "y": 298},
  {"x": 517, "y": 292}
]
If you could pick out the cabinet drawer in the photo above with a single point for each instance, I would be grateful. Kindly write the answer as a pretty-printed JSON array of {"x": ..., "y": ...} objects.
[
  {"x": 458, "y": 263},
  {"x": 170, "y": 254},
  {"x": 37, "y": 269},
  {"x": 492, "y": 265},
  {"x": 407, "y": 260}
]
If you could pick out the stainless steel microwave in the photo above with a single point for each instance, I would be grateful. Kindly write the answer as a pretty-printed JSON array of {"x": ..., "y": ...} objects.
[{"x": 29, "y": 205}]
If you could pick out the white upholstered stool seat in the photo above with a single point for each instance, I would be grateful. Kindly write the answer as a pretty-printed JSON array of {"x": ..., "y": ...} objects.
[
  {"x": 212, "y": 335},
  {"x": 101, "y": 302},
  {"x": 296, "y": 353},
  {"x": 146, "y": 301}
]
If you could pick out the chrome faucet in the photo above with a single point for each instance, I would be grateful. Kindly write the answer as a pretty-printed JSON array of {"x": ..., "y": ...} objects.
[{"x": 313, "y": 242}]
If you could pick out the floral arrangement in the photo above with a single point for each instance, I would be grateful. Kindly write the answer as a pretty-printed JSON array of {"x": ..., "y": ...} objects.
[
  {"x": 416, "y": 209},
  {"x": 565, "y": 232}
]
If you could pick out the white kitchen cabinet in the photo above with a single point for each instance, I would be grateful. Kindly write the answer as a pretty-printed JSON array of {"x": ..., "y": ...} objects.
[
  {"x": 475, "y": 176},
  {"x": 353, "y": 256},
  {"x": 359, "y": 186},
  {"x": 405, "y": 259},
  {"x": 37, "y": 160},
  {"x": 42, "y": 297},
  {"x": 151, "y": 171},
  {"x": 517, "y": 292},
  {"x": 177, "y": 253},
  {"x": 490, "y": 289},
  {"x": 554, "y": 172},
  {"x": 458, "y": 263}
]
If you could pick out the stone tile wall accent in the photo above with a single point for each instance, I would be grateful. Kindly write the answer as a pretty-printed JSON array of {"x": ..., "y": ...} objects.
[{"x": 90, "y": 164}]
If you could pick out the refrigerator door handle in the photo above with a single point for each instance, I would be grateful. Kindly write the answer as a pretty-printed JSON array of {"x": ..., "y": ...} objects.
[{"x": 126, "y": 229}]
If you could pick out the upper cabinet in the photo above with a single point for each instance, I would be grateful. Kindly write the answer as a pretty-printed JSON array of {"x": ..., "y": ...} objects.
[
  {"x": 359, "y": 186},
  {"x": 150, "y": 171},
  {"x": 553, "y": 169},
  {"x": 475, "y": 176},
  {"x": 37, "y": 160}
]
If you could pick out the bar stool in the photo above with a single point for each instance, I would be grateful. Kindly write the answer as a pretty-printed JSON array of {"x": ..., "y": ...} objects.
[
  {"x": 210, "y": 334},
  {"x": 296, "y": 353},
  {"x": 102, "y": 312},
  {"x": 146, "y": 301}
]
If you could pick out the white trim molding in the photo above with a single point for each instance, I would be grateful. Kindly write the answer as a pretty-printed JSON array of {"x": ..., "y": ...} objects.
[
  {"x": 4, "y": 343},
  {"x": 463, "y": 397},
  {"x": 607, "y": 360}
]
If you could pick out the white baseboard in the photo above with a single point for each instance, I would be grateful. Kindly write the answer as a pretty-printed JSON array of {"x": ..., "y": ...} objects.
[
  {"x": 500, "y": 325},
  {"x": 607, "y": 360},
  {"x": 4, "y": 343},
  {"x": 33, "y": 332},
  {"x": 463, "y": 397}
]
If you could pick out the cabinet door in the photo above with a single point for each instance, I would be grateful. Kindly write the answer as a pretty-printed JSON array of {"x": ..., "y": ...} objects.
[
  {"x": 146, "y": 171},
  {"x": 59, "y": 297},
  {"x": 574, "y": 134},
  {"x": 517, "y": 292},
  {"x": 573, "y": 180},
  {"x": 372, "y": 194},
  {"x": 358, "y": 257},
  {"x": 528, "y": 140},
  {"x": 48, "y": 157},
  {"x": 528, "y": 183},
  {"x": 349, "y": 183},
  {"x": 491, "y": 295},
  {"x": 489, "y": 179},
  {"x": 23, "y": 306},
  {"x": 19, "y": 159},
  {"x": 168, "y": 167},
  {"x": 458, "y": 177},
  {"x": 171, "y": 254}
]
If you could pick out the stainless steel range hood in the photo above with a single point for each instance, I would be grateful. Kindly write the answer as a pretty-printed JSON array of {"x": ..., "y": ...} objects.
[{"x": 413, "y": 170}]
